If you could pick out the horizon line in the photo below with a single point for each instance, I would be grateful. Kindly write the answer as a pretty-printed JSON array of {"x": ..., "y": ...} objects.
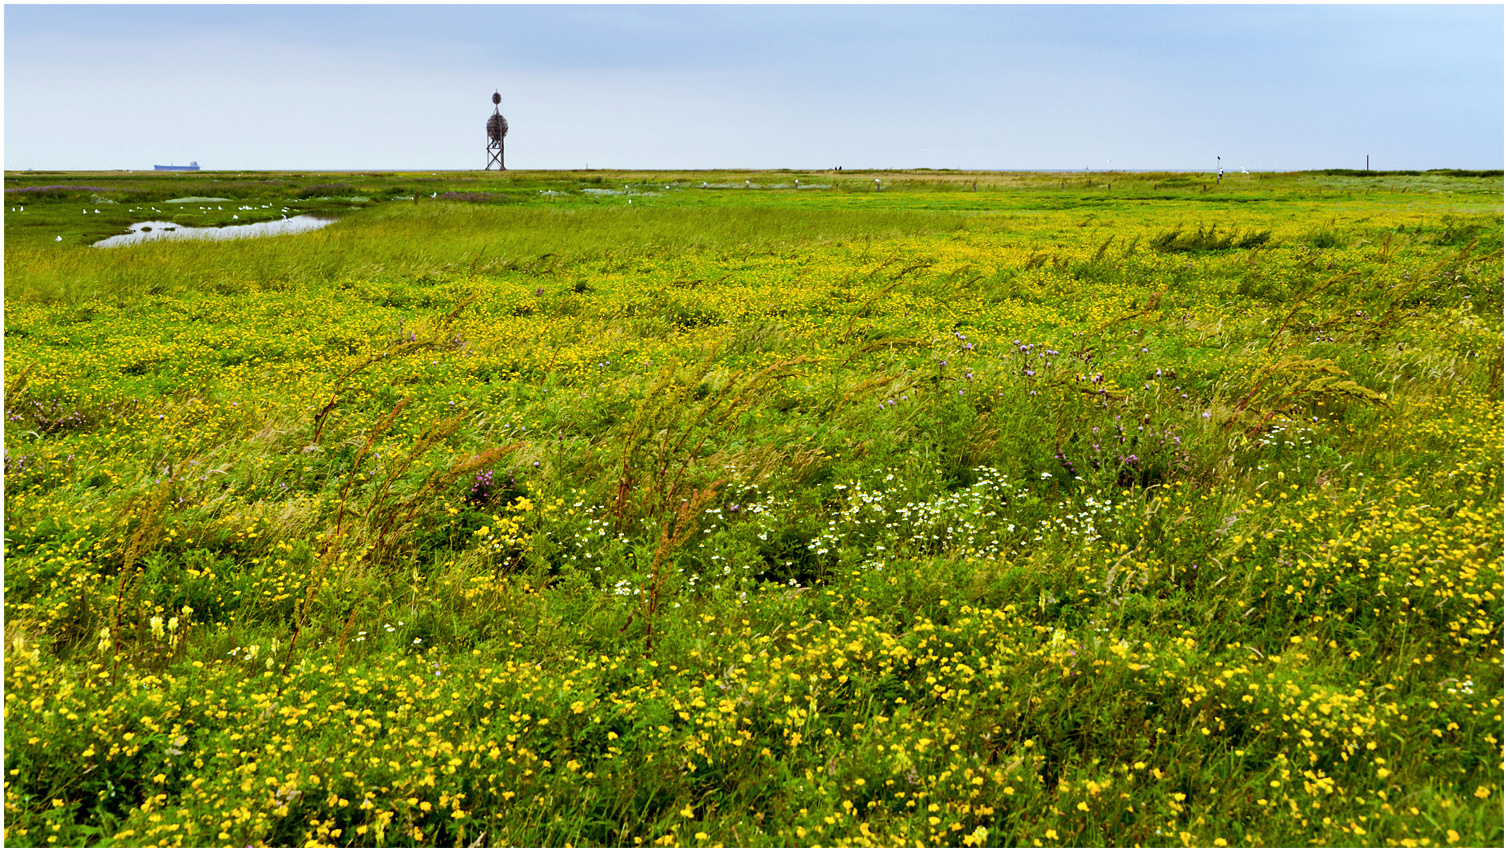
[{"x": 786, "y": 169}]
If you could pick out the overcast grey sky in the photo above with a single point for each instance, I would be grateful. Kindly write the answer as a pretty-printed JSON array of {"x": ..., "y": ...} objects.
[{"x": 1264, "y": 87}]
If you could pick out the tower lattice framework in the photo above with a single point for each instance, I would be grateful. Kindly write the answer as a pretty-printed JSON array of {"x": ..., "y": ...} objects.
[{"x": 497, "y": 128}]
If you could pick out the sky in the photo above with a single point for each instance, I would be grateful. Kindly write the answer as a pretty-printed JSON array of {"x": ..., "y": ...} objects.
[{"x": 1072, "y": 87}]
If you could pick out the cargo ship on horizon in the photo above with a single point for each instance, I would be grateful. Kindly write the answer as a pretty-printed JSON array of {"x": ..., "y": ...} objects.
[{"x": 193, "y": 166}]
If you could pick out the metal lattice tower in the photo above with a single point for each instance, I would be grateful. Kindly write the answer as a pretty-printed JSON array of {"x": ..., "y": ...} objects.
[{"x": 497, "y": 128}]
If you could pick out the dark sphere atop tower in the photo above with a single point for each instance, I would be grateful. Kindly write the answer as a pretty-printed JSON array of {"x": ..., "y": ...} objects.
[{"x": 497, "y": 98}]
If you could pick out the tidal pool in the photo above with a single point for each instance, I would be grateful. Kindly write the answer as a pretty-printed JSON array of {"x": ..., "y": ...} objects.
[{"x": 146, "y": 231}]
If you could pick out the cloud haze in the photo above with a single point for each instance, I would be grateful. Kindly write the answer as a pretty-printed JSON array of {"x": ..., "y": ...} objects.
[{"x": 806, "y": 87}]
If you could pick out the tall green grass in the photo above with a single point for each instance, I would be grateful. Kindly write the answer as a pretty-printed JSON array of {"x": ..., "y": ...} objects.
[
  {"x": 405, "y": 241},
  {"x": 765, "y": 518}
]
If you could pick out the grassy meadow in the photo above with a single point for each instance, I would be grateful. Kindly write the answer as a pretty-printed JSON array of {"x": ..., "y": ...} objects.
[{"x": 756, "y": 509}]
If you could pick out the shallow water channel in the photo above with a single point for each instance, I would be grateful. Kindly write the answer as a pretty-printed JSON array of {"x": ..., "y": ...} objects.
[{"x": 146, "y": 231}]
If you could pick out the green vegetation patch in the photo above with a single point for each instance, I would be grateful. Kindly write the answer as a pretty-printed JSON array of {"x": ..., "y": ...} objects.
[{"x": 975, "y": 509}]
